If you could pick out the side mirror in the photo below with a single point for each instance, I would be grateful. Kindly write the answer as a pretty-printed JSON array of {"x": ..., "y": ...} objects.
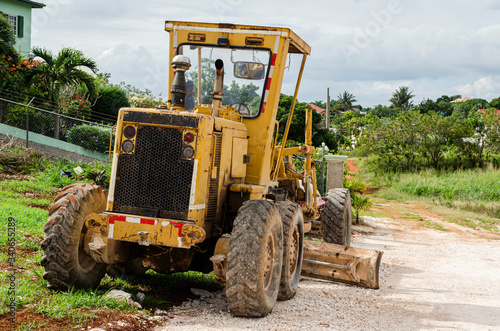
[{"x": 249, "y": 70}]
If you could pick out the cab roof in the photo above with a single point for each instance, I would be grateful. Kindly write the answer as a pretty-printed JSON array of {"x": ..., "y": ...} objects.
[{"x": 297, "y": 45}]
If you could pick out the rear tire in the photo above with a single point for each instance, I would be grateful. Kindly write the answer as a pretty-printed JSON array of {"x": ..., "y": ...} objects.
[
  {"x": 65, "y": 261},
  {"x": 255, "y": 259},
  {"x": 337, "y": 217},
  {"x": 293, "y": 247}
]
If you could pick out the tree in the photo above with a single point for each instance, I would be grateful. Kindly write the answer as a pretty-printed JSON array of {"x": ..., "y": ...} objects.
[
  {"x": 62, "y": 71},
  {"x": 345, "y": 101},
  {"x": 8, "y": 54},
  {"x": 465, "y": 108},
  {"x": 401, "y": 98}
]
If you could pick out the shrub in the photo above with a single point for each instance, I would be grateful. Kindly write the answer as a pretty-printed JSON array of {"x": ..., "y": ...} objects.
[
  {"x": 109, "y": 102},
  {"x": 91, "y": 137}
]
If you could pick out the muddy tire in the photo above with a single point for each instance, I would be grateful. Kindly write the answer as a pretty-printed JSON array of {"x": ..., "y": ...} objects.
[
  {"x": 64, "y": 259},
  {"x": 337, "y": 217},
  {"x": 255, "y": 259},
  {"x": 293, "y": 247}
]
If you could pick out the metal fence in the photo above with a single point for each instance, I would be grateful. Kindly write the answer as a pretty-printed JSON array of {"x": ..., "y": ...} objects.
[{"x": 25, "y": 121}]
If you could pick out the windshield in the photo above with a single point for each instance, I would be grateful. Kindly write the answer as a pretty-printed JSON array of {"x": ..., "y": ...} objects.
[{"x": 245, "y": 73}]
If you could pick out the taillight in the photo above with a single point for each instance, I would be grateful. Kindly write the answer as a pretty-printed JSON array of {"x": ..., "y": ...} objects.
[
  {"x": 129, "y": 132},
  {"x": 189, "y": 137}
]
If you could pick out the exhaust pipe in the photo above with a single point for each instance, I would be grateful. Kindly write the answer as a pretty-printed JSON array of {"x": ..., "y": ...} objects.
[
  {"x": 218, "y": 88},
  {"x": 180, "y": 63}
]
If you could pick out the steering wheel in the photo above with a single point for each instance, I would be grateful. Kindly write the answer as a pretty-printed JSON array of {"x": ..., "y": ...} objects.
[{"x": 242, "y": 109}]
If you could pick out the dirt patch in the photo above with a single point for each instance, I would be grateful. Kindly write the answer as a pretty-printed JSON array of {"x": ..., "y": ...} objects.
[
  {"x": 104, "y": 320},
  {"x": 351, "y": 166}
]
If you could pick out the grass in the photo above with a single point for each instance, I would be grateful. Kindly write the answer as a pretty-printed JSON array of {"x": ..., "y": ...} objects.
[
  {"x": 471, "y": 196},
  {"x": 27, "y": 190}
]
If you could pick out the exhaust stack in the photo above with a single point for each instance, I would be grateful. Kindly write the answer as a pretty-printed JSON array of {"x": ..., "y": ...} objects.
[
  {"x": 180, "y": 63},
  {"x": 218, "y": 86}
]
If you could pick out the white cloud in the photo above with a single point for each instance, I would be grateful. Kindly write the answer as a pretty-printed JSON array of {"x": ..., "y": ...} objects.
[
  {"x": 435, "y": 47},
  {"x": 485, "y": 88},
  {"x": 136, "y": 66}
]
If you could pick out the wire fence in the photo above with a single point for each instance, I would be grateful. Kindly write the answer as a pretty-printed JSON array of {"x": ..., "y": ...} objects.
[{"x": 26, "y": 121}]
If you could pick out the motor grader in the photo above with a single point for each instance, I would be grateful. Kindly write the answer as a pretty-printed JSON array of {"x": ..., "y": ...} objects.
[{"x": 201, "y": 184}]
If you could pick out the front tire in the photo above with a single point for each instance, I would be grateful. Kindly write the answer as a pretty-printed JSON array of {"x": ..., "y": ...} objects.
[
  {"x": 293, "y": 247},
  {"x": 255, "y": 259},
  {"x": 65, "y": 261},
  {"x": 337, "y": 217}
]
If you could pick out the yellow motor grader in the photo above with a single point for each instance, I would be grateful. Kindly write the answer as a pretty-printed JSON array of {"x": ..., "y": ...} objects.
[{"x": 201, "y": 184}]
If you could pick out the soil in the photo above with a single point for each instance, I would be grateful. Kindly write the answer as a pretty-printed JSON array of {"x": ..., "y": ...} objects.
[{"x": 430, "y": 280}]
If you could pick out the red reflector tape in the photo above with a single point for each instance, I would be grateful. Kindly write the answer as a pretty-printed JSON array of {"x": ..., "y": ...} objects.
[
  {"x": 147, "y": 221},
  {"x": 114, "y": 218}
]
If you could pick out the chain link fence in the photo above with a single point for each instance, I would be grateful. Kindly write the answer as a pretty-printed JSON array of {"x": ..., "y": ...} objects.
[{"x": 25, "y": 121}]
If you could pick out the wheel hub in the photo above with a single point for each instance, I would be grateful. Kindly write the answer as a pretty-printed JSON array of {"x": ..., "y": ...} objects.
[
  {"x": 293, "y": 253},
  {"x": 269, "y": 261}
]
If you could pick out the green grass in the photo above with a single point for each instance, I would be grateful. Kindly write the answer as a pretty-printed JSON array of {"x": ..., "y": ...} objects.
[
  {"x": 465, "y": 185},
  {"x": 27, "y": 199},
  {"x": 474, "y": 194}
]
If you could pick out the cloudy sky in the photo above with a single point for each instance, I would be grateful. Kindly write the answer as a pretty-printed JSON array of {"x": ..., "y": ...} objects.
[{"x": 366, "y": 47}]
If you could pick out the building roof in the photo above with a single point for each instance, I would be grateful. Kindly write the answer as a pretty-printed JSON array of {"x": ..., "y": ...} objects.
[
  {"x": 482, "y": 111},
  {"x": 33, "y": 4},
  {"x": 460, "y": 100},
  {"x": 319, "y": 110}
]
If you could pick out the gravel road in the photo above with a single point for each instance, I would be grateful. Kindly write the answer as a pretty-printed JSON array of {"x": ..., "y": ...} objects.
[{"x": 430, "y": 280}]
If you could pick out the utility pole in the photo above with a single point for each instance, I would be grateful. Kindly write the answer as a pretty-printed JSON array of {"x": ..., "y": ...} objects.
[{"x": 327, "y": 124}]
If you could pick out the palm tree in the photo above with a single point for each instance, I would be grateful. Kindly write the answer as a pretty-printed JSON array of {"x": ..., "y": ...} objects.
[
  {"x": 401, "y": 97},
  {"x": 345, "y": 101},
  {"x": 62, "y": 71},
  {"x": 7, "y": 41}
]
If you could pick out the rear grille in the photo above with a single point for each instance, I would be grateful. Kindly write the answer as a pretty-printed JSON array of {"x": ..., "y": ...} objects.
[
  {"x": 154, "y": 181},
  {"x": 213, "y": 190}
]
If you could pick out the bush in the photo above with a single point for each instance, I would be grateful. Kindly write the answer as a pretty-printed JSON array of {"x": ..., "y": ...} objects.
[
  {"x": 109, "y": 102},
  {"x": 91, "y": 137}
]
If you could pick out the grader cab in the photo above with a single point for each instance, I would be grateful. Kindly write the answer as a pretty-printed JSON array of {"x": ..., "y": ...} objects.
[{"x": 201, "y": 184}]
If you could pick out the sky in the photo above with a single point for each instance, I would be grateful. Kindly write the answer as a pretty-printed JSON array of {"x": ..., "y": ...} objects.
[{"x": 366, "y": 47}]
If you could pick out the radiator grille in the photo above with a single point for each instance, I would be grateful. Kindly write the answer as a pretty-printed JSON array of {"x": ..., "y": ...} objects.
[
  {"x": 213, "y": 190},
  {"x": 154, "y": 181}
]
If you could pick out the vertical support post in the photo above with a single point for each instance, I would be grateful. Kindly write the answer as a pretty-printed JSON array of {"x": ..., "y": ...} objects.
[
  {"x": 327, "y": 123},
  {"x": 28, "y": 120},
  {"x": 322, "y": 190},
  {"x": 199, "y": 75},
  {"x": 307, "y": 167},
  {"x": 289, "y": 121}
]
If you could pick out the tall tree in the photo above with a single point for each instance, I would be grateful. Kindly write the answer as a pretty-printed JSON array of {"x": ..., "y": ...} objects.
[
  {"x": 345, "y": 101},
  {"x": 63, "y": 70},
  {"x": 401, "y": 97}
]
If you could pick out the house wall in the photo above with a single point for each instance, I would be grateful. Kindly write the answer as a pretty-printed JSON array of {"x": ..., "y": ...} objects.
[{"x": 19, "y": 9}]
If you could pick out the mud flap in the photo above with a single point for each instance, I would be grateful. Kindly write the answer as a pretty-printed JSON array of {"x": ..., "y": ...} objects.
[{"x": 343, "y": 264}]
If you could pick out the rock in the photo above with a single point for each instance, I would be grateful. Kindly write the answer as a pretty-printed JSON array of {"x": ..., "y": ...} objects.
[
  {"x": 120, "y": 296},
  {"x": 201, "y": 293}
]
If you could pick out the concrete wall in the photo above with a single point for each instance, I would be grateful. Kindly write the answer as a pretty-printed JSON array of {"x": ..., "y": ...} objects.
[
  {"x": 335, "y": 177},
  {"x": 17, "y": 8},
  {"x": 51, "y": 142}
]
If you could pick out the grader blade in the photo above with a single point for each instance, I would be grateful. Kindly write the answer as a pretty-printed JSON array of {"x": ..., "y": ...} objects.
[{"x": 343, "y": 264}]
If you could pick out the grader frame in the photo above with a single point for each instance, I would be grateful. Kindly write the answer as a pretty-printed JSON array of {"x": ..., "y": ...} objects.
[{"x": 203, "y": 186}]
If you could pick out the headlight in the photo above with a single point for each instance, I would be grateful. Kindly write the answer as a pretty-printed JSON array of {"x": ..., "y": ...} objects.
[
  {"x": 187, "y": 152},
  {"x": 127, "y": 146}
]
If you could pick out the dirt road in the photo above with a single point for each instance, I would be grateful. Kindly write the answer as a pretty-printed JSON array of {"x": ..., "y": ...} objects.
[{"x": 430, "y": 280}]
